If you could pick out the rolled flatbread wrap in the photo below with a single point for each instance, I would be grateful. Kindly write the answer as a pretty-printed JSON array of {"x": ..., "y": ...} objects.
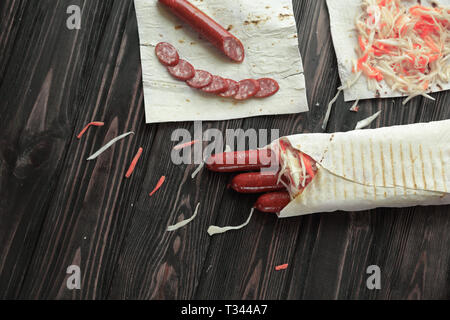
[{"x": 400, "y": 166}]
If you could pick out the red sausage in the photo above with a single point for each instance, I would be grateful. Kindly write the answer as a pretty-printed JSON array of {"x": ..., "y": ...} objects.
[
  {"x": 247, "y": 89},
  {"x": 167, "y": 54},
  {"x": 182, "y": 71},
  {"x": 217, "y": 86},
  {"x": 256, "y": 182},
  {"x": 240, "y": 161},
  {"x": 233, "y": 88},
  {"x": 200, "y": 80},
  {"x": 208, "y": 28},
  {"x": 268, "y": 88},
  {"x": 273, "y": 202}
]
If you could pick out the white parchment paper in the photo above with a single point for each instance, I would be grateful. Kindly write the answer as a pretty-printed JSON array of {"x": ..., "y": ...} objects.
[{"x": 268, "y": 31}]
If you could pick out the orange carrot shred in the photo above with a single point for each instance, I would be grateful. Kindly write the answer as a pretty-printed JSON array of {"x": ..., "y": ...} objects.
[
  {"x": 185, "y": 145},
  {"x": 158, "y": 185},
  {"x": 282, "y": 267},
  {"x": 307, "y": 160},
  {"x": 134, "y": 163},
  {"x": 362, "y": 45},
  {"x": 92, "y": 124}
]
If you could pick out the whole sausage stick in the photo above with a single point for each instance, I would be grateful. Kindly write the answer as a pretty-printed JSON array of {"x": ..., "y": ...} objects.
[
  {"x": 256, "y": 182},
  {"x": 208, "y": 28},
  {"x": 240, "y": 161},
  {"x": 273, "y": 202}
]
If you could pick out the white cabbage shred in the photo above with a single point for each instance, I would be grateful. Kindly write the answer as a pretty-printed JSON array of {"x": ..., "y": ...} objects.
[
  {"x": 367, "y": 122},
  {"x": 185, "y": 222},
  {"x": 213, "y": 230}
]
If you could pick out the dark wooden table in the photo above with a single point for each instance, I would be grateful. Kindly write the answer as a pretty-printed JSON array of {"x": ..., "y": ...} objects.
[{"x": 57, "y": 209}]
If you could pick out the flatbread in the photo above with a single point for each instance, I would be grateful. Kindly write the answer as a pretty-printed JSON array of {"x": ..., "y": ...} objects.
[
  {"x": 268, "y": 31},
  {"x": 400, "y": 166},
  {"x": 342, "y": 20}
]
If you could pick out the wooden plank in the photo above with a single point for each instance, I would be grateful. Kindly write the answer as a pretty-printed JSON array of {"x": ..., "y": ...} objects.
[
  {"x": 11, "y": 12},
  {"x": 155, "y": 264},
  {"x": 87, "y": 220},
  {"x": 42, "y": 63}
]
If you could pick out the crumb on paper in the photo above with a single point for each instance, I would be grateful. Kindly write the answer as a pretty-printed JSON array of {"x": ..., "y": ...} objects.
[{"x": 284, "y": 16}]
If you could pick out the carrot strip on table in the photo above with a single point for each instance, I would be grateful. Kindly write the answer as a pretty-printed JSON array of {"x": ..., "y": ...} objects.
[
  {"x": 185, "y": 145},
  {"x": 92, "y": 124},
  {"x": 134, "y": 163},
  {"x": 282, "y": 267},
  {"x": 158, "y": 185}
]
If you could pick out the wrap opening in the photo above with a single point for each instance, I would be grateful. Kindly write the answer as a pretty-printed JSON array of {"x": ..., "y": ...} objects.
[{"x": 297, "y": 169}]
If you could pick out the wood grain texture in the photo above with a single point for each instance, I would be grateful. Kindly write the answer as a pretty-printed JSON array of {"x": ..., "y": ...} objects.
[{"x": 57, "y": 209}]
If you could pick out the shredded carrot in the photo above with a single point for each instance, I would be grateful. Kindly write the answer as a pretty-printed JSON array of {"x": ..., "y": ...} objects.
[
  {"x": 308, "y": 164},
  {"x": 362, "y": 44},
  {"x": 282, "y": 267},
  {"x": 405, "y": 47},
  {"x": 185, "y": 145},
  {"x": 134, "y": 163},
  {"x": 158, "y": 185},
  {"x": 362, "y": 60},
  {"x": 92, "y": 124}
]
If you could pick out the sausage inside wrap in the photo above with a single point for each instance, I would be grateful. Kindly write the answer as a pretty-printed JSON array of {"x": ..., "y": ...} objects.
[{"x": 399, "y": 166}]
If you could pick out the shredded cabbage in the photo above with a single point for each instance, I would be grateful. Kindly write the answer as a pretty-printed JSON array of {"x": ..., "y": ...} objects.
[{"x": 293, "y": 174}]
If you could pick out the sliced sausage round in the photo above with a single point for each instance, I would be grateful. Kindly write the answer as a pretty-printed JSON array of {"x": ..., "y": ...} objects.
[
  {"x": 217, "y": 86},
  {"x": 233, "y": 88},
  {"x": 182, "y": 71},
  {"x": 200, "y": 80},
  {"x": 268, "y": 88},
  {"x": 234, "y": 49},
  {"x": 247, "y": 89},
  {"x": 167, "y": 54}
]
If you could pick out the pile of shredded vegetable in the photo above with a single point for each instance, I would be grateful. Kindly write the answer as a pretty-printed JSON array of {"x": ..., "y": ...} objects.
[{"x": 406, "y": 47}]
